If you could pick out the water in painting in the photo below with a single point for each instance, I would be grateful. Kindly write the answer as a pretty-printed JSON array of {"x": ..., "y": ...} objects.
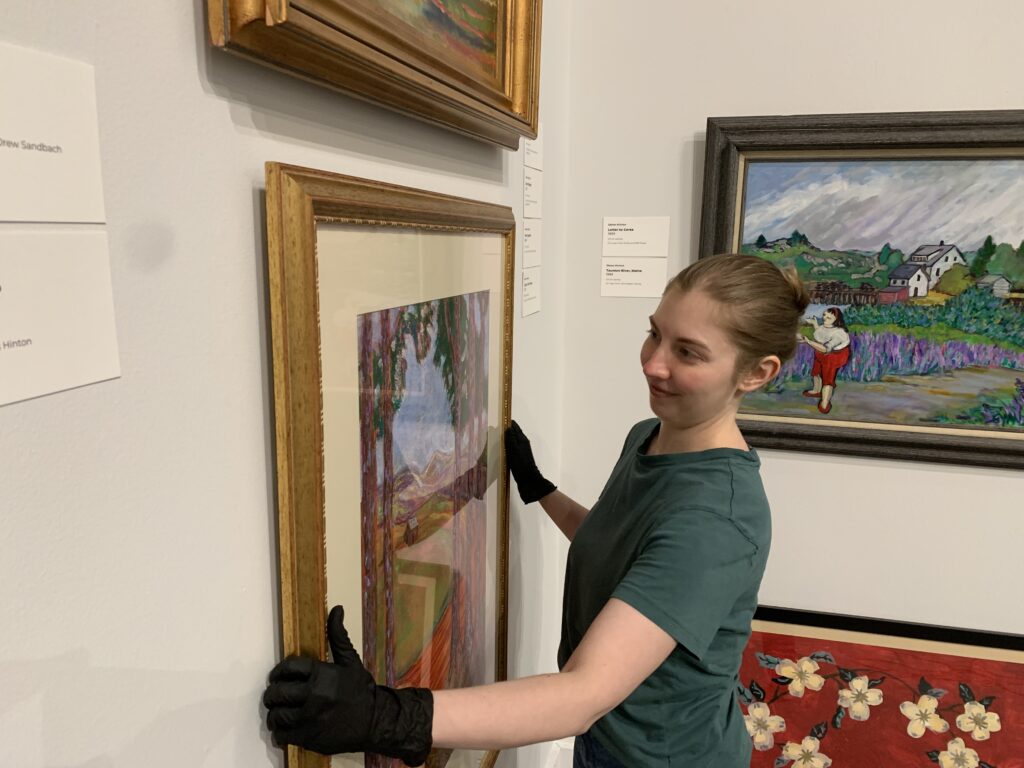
[
  {"x": 423, "y": 449},
  {"x": 916, "y": 274}
]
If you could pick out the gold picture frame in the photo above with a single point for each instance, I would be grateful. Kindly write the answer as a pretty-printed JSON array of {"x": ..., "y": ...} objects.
[
  {"x": 341, "y": 249},
  {"x": 472, "y": 70}
]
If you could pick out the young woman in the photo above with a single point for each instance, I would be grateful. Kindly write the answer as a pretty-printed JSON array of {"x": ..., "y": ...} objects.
[
  {"x": 662, "y": 577},
  {"x": 831, "y": 345}
]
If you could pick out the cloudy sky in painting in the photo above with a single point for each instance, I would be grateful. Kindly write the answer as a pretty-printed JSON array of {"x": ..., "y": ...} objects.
[{"x": 863, "y": 204}]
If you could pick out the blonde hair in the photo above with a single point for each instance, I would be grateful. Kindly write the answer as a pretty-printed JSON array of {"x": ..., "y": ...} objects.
[{"x": 761, "y": 304}]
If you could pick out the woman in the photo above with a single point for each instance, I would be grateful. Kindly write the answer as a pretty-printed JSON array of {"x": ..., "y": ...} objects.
[
  {"x": 831, "y": 345},
  {"x": 662, "y": 577}
]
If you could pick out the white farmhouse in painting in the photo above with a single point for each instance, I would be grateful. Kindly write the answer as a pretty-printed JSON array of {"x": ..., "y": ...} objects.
[
  {"x": 911, "y": 276},
  {"x": 936, "y": 259},
  {"x": 998, "y": 284}
]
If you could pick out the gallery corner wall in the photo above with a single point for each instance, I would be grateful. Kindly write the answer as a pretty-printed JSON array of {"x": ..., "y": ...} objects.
[{"x": 851, "y": 535}]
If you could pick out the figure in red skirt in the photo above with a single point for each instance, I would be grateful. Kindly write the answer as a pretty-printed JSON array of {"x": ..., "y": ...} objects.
[{"x": 831, "y": 345}]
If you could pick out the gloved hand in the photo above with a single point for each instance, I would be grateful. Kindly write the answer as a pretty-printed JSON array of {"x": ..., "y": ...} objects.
[
  {"x": 531, "y": 483},
  {"x": 332, "y": 708}
]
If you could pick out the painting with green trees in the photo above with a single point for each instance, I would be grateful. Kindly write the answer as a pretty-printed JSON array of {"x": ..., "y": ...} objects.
[
  {"x": 915, "y": 269},
  {"x": 423, "y": 378}
]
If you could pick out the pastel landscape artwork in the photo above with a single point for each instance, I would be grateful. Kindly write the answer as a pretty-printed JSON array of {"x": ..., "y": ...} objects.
[
  {"x": 423, "y": 377},
  {"x": 820, "y": 702},
  {"x": 467, "y": 28},
  {"x": 916, "y": 273}
]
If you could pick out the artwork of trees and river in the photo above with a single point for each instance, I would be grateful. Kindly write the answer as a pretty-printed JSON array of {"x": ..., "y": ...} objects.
[
  {"x": 924, "y": 259},
  {"x": 423, "y": 377}
]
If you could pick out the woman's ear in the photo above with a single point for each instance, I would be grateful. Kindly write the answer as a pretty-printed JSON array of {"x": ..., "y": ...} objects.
[{"x": 766, "y": 369}]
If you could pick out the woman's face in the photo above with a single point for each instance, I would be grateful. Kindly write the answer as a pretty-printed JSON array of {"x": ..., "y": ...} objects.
[
  {"x": 689, "y": 361},
  {"x": 828, "y": 319}
]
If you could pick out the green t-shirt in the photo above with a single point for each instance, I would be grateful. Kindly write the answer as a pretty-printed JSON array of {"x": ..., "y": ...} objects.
[{"x": 683, "y": 539}]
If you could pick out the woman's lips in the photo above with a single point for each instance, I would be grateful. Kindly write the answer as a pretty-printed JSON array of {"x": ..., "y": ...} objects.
[{"x": 658, "y": 391}]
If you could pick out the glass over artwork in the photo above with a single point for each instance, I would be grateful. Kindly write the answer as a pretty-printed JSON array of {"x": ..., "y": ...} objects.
[
  {"x": 423, "y": 375},
  {"x": 916, "y": 274}
]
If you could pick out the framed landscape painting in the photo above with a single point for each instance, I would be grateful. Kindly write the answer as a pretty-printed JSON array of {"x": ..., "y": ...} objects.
[
  {"x": 820, "y": 689},
  {"x": 908, "y": 232},
  {"x": 469, "y": 65},
  {"x": 391, "y": 323}
]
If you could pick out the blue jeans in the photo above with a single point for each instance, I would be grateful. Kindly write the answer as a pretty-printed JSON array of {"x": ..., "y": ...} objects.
[{"x": 589, "y": 753}]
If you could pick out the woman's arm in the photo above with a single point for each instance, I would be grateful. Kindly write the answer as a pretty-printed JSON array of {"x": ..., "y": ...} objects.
[
  {"x": 564, "y": 512},
  {"x": 620, "y": 650}
]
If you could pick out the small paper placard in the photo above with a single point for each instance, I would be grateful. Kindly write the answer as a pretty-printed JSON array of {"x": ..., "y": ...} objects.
[
  {"x": 49, "y": 139},
  {"x": 532, "y": 240},
  {"x": 533, "y": 187},
  {"x": 633, "y": 277},
  {"x": 56, "y": 313},
  {"x": 533, "y": 155},
  {"x": 531, "y": 291},
  {"x": 635, "y": 236}
]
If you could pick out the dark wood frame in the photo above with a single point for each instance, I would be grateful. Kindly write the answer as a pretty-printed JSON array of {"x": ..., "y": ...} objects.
[
  {"x": 298, "y": 199},
  {"x": 348, "y": 46},
  {"x": 871, "y": 626},
  {"x": 730, "y": 138}
]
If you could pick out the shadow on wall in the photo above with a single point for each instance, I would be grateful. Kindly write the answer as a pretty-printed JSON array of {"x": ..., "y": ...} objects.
[
  {"x": 265, "y": 101},
  {"x": 66, "y": 713}
]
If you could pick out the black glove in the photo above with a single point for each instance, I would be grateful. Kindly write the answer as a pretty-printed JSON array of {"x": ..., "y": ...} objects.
[
  {"x": 531, "y": 483},
  {"x": 332, "y": 708}
]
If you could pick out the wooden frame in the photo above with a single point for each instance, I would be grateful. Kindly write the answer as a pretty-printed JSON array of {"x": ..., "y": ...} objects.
[
  {"x": 735, "y": 144},
  {"x": 316, "y": 299},
  {"x": 852, "y": 691},
  {"x": 367, "y": 50}
]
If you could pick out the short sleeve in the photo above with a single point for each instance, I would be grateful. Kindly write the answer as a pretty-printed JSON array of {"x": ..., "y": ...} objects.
[{"x": 688, "y": 575}]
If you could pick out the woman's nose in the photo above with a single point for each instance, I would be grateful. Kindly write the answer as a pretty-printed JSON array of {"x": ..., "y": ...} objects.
[{"x": 654, "y": 364}]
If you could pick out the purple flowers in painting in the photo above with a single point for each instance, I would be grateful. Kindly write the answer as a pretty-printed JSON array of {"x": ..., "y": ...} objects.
[{"x": 916, "y": 274}]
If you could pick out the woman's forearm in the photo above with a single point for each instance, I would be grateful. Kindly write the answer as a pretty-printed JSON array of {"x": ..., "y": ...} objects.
[
  {"x": 564, "y": 512},
  {"x": 514, "y": 713}
]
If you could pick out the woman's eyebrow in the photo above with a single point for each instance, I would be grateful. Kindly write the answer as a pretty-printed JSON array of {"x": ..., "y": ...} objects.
[{"x": 684, "y": 339}]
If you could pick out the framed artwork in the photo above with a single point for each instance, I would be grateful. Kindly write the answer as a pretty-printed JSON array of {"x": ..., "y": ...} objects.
[
  {"x": 908, "y": 231},
  {"x": 391, "y": 319},
  {"x": 819, "y": 690},
  {"x": 469, "y": 65}
]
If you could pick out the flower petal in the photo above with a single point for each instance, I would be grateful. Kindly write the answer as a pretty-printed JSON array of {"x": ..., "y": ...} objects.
[
  {"x": 792, "y": 750},
  {"x": 992, "y": 722},
  {"x": 758, "y": 710},
  {"x": 928, "y": 703},
  {"x": 814, "y": 682}
]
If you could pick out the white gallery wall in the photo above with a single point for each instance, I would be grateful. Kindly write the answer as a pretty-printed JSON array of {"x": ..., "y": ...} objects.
[
  {"x": 904, "y": 540},
  {"x": 137, "y": 534}
]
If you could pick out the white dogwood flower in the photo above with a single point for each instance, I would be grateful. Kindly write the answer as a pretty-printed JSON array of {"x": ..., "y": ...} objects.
[
  {"x": 859, "y": 697},
  {"x": 803, "y": 674},
  {"x": 922, "y": 716},
  {"x": 957, "y": 755},
  {"x": 806, "y": 754},
  {"x": 979, "y": 723},
  {"x": 762, "y": 724}
]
